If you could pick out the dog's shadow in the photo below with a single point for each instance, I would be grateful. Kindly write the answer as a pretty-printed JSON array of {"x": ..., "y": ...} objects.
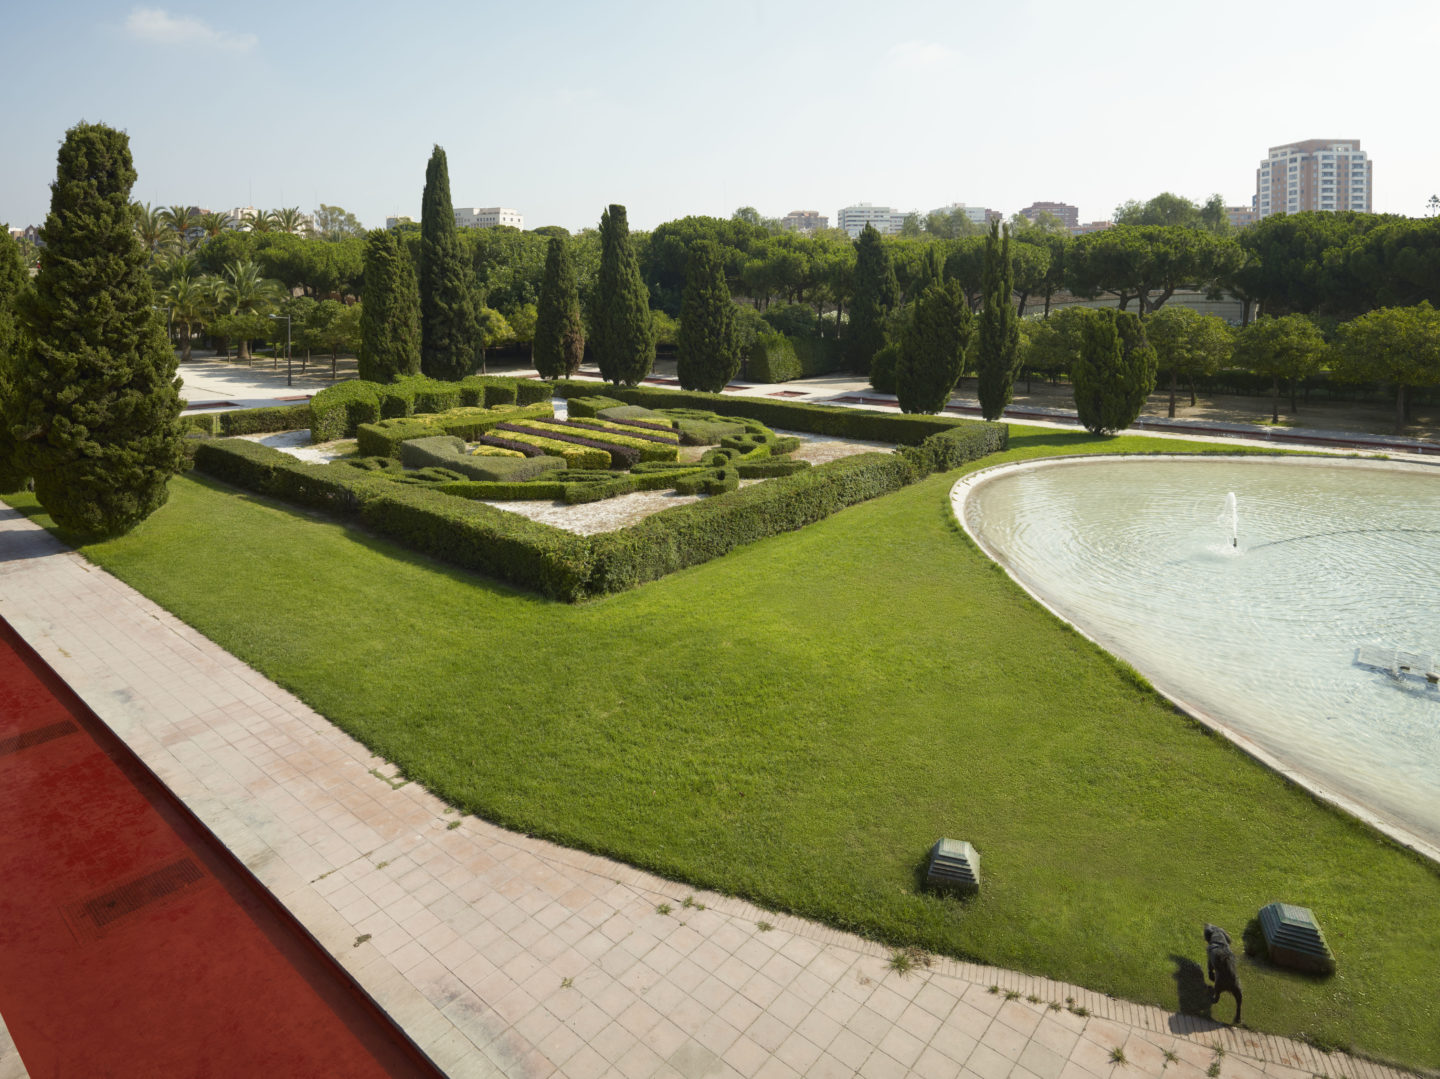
[{"x": 1193, "y": 993}]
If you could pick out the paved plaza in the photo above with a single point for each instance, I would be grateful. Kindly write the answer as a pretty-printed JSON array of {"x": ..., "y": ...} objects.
[{"x": 502, "y": 955}]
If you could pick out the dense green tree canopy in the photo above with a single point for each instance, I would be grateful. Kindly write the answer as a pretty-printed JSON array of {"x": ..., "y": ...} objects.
[
  {"x": 559, "y": 332},
  {"x": 96, "y": 421},
  {"x": 1188, "y": 344},
  {"x": 876, "y": 292},
  {"x": 1114, "y": 372},
  {"x": 390, "y": 311},
  {"x": 622, "y": 331},
  {"x": 1289, "y": 347},
  {"x": 932, "y": 350},
  {"x": 449, "y": 328},
  {"x": 14, "y": 282},
  {"x": 997, "y": 351},
  {"x": 1147, "y": 263},
  {"x": 1398, "y": 345},
  {"x": 709, "y": 352}
]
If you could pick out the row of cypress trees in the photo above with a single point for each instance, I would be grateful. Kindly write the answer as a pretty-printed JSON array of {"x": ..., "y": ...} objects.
[
  {"x": 88, "y": 395},
  {"x": 931, "y": 345},
  {"x": 428, "y": 321}
]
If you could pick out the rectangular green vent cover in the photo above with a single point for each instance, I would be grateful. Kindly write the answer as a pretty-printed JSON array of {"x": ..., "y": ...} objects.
[
  {"x": 1294, "y": 938},
  {"x": 954, "y": 866}
]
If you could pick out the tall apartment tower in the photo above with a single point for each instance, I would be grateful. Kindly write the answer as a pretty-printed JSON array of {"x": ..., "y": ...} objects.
[{"x": 1317, "y": 174}]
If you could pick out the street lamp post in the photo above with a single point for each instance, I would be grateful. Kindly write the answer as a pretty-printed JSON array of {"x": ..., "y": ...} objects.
[{"x": 289, "y": 369}]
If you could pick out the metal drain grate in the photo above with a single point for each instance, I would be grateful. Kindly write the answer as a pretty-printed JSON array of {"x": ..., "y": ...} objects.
[
  {"x": 16, "y": 742},
  {"x": 105, "y": 909}
]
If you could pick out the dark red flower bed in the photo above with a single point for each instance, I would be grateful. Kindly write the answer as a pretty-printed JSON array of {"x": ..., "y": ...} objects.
[{"x": 508, "y": 444}]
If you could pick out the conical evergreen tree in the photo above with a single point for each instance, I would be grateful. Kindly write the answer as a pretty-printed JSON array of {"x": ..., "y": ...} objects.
[
  {"x": 559, "y": 333},
  {"x": 1114, "y": 373},
  {"x": 13, "y": 282},
  {"x": 389, "y": 310},
  {"x": 622, "y": 332},
  {"x": 998, "y": 346},
  {"x": 709, "y": 350},
  {"x": 876, "y": 293},
  {"x": 932, "y": 353},
  {"x": 98, "y": 398},
  {"x": 449, "y": 308}
]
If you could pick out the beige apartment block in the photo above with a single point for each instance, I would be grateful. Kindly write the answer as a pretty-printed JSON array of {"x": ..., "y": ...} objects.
[{"x": 1317, "y": 174}]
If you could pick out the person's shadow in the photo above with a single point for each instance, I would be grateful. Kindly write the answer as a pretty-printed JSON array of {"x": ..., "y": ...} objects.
[{"x": 1192, "y": 1012}]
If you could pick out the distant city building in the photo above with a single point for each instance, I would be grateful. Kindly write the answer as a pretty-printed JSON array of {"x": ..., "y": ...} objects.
[
  {"x": 978, "y": 215},
  {"x": 1241, "y": 216},
  {"x": 237, "y": 216},
  {"x": 393, "y": 222},
  {"x": 885, "y": 220},
  {"x": 29, "y": 232},
  {"x": 1091, "y": 226},
  {"x": 1069, "y": 215},
  {"x": 1317, "y": 174},
  {"x": 805, "y": 221},
  {"x": 488, "y": 217}
]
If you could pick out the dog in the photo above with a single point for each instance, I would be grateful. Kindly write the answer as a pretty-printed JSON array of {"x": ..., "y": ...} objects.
[{"x": 1221, "y": 966}]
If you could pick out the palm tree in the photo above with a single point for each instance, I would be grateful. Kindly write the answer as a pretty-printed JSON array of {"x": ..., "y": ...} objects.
[
  {"x": 173, "y": 266},
  {"x": 247, "y": 292},
  {"x": 258, "y": 220},
  {"x": 213, "y": 224},
  {"x": 150, "y": 227},
  {"x": 187, "y": 301},
  {"x": 179, "y": 219},
  {"x": 290, "y": 220},
  {"x": 214, "y": 303}
]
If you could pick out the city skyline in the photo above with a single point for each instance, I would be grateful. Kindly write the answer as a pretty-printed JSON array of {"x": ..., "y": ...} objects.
[{"x": 559, "y": 109}]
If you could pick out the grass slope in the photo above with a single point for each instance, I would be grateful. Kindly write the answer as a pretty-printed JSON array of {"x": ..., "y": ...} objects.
[{"x": 799, "y": 721}]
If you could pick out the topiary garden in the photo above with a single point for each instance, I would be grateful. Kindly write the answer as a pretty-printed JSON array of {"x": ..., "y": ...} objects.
[{"x": 430, "y": 456}]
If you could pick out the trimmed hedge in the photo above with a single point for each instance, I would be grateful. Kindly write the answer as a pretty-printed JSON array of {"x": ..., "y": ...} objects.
[
  {"x": 769, "y": 468},
  {"x": 833, "y": 420},
  {"x": 259, "y": 421},
  {"x": 540, "y": 557},
  {"x": 650, "y": 432},
  {"x": 958, "y": 446},
  {"x": 648, "y": 448},
  {"x": 695, "y": 533},
  {"x": 590, "y": 406},
  {"x": 772, "y": 359},
  {"x": 207, "y": 423},
  {"x": 336, "y": 411},
  {"x": 575, "y": 454},
  {"x": 446, "y": 451},
  {"x": 384, "y": 439},
  {"x": 471, "y": 423},
  {"x": 564, "y": 566}
]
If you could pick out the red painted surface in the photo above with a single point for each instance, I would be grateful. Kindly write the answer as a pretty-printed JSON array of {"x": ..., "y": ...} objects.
[{"x": 209, "y": 980}]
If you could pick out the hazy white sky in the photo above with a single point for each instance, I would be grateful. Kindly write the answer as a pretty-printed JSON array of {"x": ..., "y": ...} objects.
[{"x": 558, "y": 109}]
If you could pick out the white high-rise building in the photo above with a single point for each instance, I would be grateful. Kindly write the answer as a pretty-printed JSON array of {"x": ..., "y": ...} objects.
[
  {"x": 487, "y": 217},
  {"x": 1317, "y": 174},
  {"x": 884, "y": 219}
]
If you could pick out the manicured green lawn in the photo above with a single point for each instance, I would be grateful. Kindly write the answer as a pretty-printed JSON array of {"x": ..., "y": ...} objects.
[{"x": 799, "y": 721}]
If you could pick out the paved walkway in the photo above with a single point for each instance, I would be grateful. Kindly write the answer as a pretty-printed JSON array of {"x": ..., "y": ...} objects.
[{"x": 504, "y": 955}]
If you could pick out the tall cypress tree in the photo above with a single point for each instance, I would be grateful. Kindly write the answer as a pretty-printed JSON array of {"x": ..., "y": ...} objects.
[
  {"x": 998, "y": 346},
  {"x": 876, "y": 293},
  {"x": 621, "y": 330},
  {"x": 1114, "y": 373},
  {"x": 98, "y": 398},
  {"x": 389, "y": 310},
  {"x": 932, "y": 353},
  {"x": 709, "y": 350},
  {"x": 559, "y": 333},
  {"x": 13, "y": 282},
  {"x": 449, "y": 308}
]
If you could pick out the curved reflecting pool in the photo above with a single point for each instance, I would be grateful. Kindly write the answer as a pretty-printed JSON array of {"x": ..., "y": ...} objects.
[{"x": 1251, "y": 613}]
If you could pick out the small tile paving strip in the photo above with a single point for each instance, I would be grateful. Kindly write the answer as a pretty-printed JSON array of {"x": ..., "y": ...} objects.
[{"x": 505, "y": 955}]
